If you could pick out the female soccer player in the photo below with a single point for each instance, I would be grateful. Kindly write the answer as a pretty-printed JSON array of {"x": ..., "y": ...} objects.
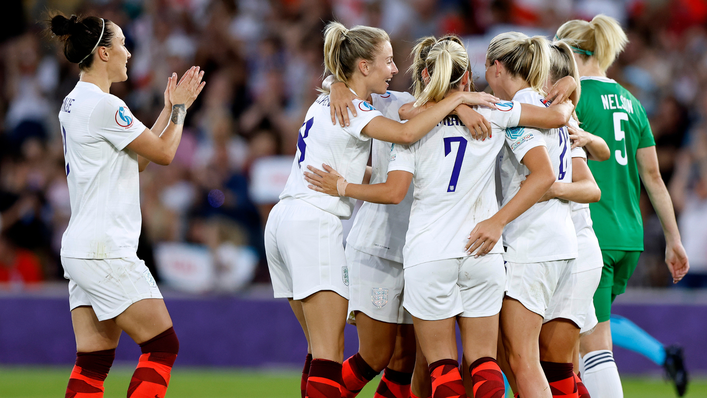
[
  {"x": 442, "y": 281},
  {"x": 541, "y": 243},
  {"x": 374, "y": 254},
  {"x": 570, "y": 307},
  {"x": 110, "y": 288},
  {"x": 610, "y": 111},
  {"x": 303, "y": 236}
]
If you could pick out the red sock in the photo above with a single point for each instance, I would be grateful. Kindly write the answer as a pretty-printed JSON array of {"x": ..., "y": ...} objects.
[
  {"x": 487, "y": 378},
  {"x": 90, "y": 370},
  {"x": 324, "y": 379},
  {"x": 151, "y": 376},
  {"x": 581, "y": 388},
  {"x": 305, "y": 375},
  {"x": 394, "y": 384},
  {"x": 446, "y": 379},
  {"x": 356, "y": 373},
  {"x": 561, "y": 379}
]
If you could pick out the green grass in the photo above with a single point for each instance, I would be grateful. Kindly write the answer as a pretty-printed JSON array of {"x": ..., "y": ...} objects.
[{"x": 45, "y": 382}]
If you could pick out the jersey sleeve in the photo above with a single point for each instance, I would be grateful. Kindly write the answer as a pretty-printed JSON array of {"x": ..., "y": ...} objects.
[
  {"x": 366, "y": 112},
  {"x": 402, "y": 157},
  {"x": 389, "y": 103},
  {"x": 506, "y": 115},
  {"x": 113, "y": 121},
  {"x": 579, "y": 152},
  {"x": 646, "y": 135},
  {"x": 522, "y": 139}
]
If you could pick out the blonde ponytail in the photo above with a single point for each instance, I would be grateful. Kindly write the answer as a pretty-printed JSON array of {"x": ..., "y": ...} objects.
[
  {"x": 523, "y": 56},
  {"x": 562, "y": 64},
  {"x": 344, "y": 47},
  {"x": 601, "y": 38},
  {"x": 446, "y": 64}
]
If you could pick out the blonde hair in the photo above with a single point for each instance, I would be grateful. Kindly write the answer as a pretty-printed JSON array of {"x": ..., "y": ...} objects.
[
  {"x": 523, "y": 56},
  {"x": 419, "y": 57},
  {"x": 343, "y": 47},
  {"x": 562, "y": 64},
  {"x": 601, "y": 38}
]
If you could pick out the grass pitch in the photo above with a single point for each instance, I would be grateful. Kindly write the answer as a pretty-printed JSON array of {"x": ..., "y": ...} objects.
[{"x": 45, "y": 382}]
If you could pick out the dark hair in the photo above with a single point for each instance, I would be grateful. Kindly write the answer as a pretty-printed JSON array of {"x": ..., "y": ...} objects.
[{"x": 80, "y": 36}]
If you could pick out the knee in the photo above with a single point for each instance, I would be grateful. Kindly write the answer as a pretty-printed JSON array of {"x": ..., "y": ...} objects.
[{"x": 166, "y": 341}]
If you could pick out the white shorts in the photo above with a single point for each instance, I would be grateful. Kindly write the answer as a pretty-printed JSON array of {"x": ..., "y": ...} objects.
[
  {"x": 110, "y": 285},
  {"x": 468, "y": 286},
  {"x": 590, "y": 322},
  {"x": 574, "y": 297},
  {"x": 305, "y": 251},
  {"x": 376, "y": 288},
  {"x": 534, "y": 284}
]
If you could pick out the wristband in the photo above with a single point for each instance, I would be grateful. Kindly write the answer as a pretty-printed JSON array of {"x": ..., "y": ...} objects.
[{"x": 341, "y": 186}]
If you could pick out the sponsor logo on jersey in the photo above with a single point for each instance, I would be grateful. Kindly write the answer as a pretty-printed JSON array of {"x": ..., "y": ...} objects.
[
  {"x": 365, "y": 106},
  {"x": 505, "y": 106},
  {"x": 123, "y": 117},
  {"x": 379, "y": 297},
  {"x": 515, "y": 132}
]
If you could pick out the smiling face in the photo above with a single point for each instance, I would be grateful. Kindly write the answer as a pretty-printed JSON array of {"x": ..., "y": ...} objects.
[
  {"x": 119, "y": 56},
  {"x": 382, "y": 68}
]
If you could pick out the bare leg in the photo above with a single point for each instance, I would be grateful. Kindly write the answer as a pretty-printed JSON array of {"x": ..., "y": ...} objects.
[
  {"x": 557, "y": 341},
  {"x": 376, "y": 340},
  {"x": 421, "y": 383},
  {"x": 92, "y": 334},
  {"x": 325, "y": 318},
  {"x": 437, "y": 339},
  {"x": 521, "y": 331},
  {"x": 296, "y": 306},
  {"x": 144, "y": 320},
  {"x": 599, "y": 339},
  {"x": 503, "y": 363}
]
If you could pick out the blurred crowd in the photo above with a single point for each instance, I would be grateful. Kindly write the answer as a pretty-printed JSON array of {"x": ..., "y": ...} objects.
[{"x": 263, "y": 62}]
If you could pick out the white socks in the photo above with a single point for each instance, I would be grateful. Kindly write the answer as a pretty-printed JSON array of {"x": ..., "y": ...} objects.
[{"x": 600, "y": 375}]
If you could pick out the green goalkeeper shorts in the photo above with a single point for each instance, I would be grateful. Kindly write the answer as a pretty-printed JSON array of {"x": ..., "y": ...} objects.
[{"x": 618, "y": 267}]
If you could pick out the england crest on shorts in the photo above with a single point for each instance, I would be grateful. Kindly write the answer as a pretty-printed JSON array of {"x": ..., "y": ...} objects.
[
  {"x": 379, "y": 297},
  {"x": 345, "y": 275}
]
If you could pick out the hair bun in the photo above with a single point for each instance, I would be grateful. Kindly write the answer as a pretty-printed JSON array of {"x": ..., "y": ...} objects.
[{"x": 61, "y": 26}]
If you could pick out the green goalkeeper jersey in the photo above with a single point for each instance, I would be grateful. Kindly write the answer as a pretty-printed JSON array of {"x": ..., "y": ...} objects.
[{"x": 608, "y": 110}]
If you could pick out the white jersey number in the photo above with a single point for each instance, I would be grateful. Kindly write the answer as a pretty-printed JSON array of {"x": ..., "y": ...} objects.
[{"x": 620, "y": 136}]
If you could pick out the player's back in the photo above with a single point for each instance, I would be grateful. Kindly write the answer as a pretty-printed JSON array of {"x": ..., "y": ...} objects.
[
  {"x": 611, "y": 112},
  {"x": 545, "y": 232},
  {"x": 454, "y": 187},
  {"x": 346, "y": 149}
]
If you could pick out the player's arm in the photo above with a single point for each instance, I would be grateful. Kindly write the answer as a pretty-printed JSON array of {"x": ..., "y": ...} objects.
[
  {"x": 551, "y": 117},
  {"x": 330, "y": 182},
  {"x": 486, "y": 233},
  {"x": 385, "y": 129},
  {"x": 596, "y": 146},
  {"x": 162, "y": 148},
  {"x": 564, "y": 89},
  {"x": 582, "y": 189},
  {"x": 675, "y": 256},
  {"x": 340, "y": 99},
  {"x": 478, "y": 126},
  {"x": 162, "y": 119}
]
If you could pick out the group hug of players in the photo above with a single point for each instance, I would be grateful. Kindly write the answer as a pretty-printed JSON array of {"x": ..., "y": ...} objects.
[{"x": 476, "y": 213}]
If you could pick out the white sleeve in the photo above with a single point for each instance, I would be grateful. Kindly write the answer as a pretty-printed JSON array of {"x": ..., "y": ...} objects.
[
  {"x": 579, "y": 152},
  {"x": 402, "y": 157},
  {"x": 113, "y": 121},
  {"x": 506, "y": 115},
  {"x": 522, "y": 139},
  {"x": 365, "y": 113}
]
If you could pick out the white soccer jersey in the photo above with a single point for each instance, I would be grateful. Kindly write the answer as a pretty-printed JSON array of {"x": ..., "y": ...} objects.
[
  {"x": 345, "y": 149},
  {"x": 454, "y": 183},
  {"x": 380, "y": 229},
  {"x": 545, "y": 232},
  {"x": 102, "y": 175}
]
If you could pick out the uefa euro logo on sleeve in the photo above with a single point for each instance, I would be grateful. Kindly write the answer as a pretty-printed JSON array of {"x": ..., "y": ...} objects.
[{"x": 123, "y": 117}]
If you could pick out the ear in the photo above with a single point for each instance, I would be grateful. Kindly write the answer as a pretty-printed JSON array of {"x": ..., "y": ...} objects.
[
  {"x": 425, "y": 76},
  {"x": 102, "y": 52},
  {"x": 363, "y": 67},
  {"x": 499, "y": 67},
  {"x": 465, "y": 78}
]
